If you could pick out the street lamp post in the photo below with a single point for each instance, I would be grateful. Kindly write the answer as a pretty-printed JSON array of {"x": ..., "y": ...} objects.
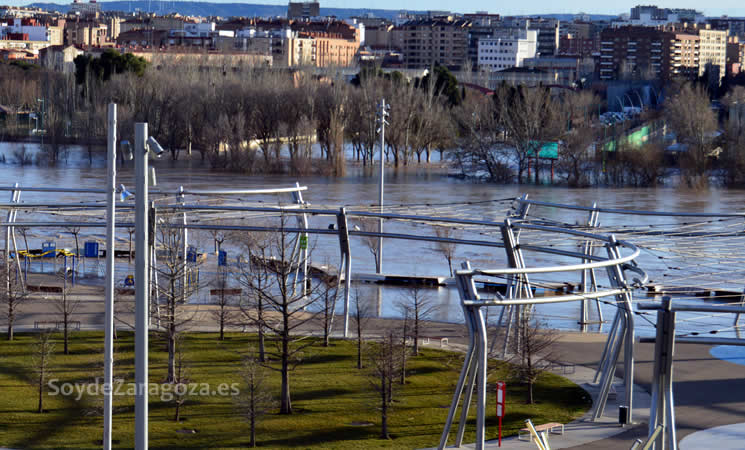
[
  {"x": 144, "y": 146},
  {"x": 142, "y": 285},
  {"x": 109, "y": 314},
  {"x": 381, "y": 119},
  {"x": 41, "y": 100}
]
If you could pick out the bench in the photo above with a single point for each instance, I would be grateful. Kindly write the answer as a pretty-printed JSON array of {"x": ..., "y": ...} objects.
[
  {"x": 42, "y": 288},
  {"x": 553, "y": 428},
  {"x": 56, "y": 324},
  {"x": 425, "y": 340}
]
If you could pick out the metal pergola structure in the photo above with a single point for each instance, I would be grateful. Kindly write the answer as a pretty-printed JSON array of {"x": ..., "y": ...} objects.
[{"x": 518, "y": 295}]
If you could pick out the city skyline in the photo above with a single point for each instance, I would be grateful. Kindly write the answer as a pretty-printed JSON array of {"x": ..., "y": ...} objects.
[{"x": 713, "y": 9}]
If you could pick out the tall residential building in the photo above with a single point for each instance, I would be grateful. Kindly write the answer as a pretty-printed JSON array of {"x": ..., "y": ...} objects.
[
  {"x": 735, "y": 50},
  {"x": 635, "y": 52},
  {"x": 303, "y": 10},
  {"x": 85, "y": 9},
  {"x": 734, "y": 25},
  {"x": 506, "y": 50},
  {"x": 713, "y": 51},
  {"x": 86, "y": 33},
  {"x": 548, "y": 31},
  {"x": 653, "y": 16},
  {"x": 425, "y": 43}
]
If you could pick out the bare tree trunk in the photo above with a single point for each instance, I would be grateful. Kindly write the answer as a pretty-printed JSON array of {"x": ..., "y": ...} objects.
[
  {"x": 40, "y": 409},
  {"x": 383, "y": 408},
  {"x": 252, "y": 443},
  {"x": 260, "y": 308},
  {"x": 285, "y": 402}
]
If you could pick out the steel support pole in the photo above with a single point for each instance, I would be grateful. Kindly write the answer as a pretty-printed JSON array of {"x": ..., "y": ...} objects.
[
  {"x": 662, "y": 411},
  {"x": 608, "y": 344},
  {"x": 463, "y": 379},
  {"x": 109, "y": 289},
  {"x": 480, "y": 379},
  {"x": 142, "y": 287},
  {"x": 346, "y": 262}
]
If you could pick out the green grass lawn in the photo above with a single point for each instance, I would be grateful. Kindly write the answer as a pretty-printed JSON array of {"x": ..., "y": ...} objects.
[{"x": 330, "y": 397}]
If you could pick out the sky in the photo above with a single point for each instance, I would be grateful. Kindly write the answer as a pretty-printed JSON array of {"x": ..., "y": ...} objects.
[{"x": 710, "y": 8}]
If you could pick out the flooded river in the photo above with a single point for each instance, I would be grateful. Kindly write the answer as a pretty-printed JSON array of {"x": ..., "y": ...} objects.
[{"x": 409, "y": 189}]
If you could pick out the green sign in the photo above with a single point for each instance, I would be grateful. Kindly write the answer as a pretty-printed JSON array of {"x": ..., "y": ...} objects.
[
  {"x": 549, "y": 150},
  {"x": 303, "y": 242}
]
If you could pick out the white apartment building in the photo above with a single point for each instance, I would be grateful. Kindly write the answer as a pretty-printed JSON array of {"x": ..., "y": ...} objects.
[
  {"x": 34, "y": 31},
  {"x": 507, "y": 50},
  {"x": 712, "y": 51}
]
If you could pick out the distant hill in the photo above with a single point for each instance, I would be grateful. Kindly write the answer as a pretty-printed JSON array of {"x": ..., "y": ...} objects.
[
  {"x": 249, "y": 10},
  {"x": 217, "y": 9}
]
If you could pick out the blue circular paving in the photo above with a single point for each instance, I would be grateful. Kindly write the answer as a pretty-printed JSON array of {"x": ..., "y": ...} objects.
[{"x": 730, "y": 353}]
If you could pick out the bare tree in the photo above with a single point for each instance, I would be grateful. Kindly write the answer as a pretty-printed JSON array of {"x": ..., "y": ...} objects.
[
  {"x": 371, "y": 242},
  {"x": 328, "y": 305},
  {"x": 529, "y": 119},
  {"x": 174, "y": 288},
  {"x": 255, "y": 400},
  {"x": 256, "y": 247},
  {"x": 13, "y": 298},
  {"x": 446, "y": 249},
  {"x": 480, "y": 140},
  {"x": 66, "y": 305},
  {"x": 287, "y": 297},
  {"x": 224, "y": 301},
  {"x": 180, "y": 382},
  {"x": 41, "y": 364},
  {"x": 361, "y": 314},
  {"x": 689, "y": 113},
  {"x": 75, "y": 232},
  {"x": 734, "y": 156},
  {"x": 385, "y": 366},
  {"x": 417, "y": 304},
  {"x": 532, "y": 352}
]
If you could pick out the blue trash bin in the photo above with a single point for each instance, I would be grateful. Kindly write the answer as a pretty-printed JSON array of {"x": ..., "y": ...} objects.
[
  {"x": 49, "y": 249},
  {"x": 91, "y": 249}
]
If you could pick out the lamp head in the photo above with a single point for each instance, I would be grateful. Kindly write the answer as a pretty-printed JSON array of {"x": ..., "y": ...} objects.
[{"x": 154, "y": 147}]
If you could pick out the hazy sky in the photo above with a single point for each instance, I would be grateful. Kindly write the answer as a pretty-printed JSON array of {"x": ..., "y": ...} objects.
[{"x": 710, "y": 8}]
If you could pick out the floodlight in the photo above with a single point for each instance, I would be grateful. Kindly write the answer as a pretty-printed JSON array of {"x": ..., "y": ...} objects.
[
  {"x": 154, "y": 147},
  {"x": 123, "y": 192},
  {"x": 126, "y": 150}
]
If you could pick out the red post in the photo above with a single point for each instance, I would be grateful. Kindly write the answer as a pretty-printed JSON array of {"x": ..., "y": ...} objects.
[
  {"x": 501, "y": 394},
  {"x": 500, "y": 431}
]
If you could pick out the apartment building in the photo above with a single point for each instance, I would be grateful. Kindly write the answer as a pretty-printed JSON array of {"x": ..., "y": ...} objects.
[
  {"x": 428, "y": 42},
  {"x": 578, "y": 46},
  {"x": 713, "y": 52},
  {"x": 735, "y": 53},
  {"x": 86, "y": 33},
  {"x": 507, "y": 50},
  {"x": 30, "y": 29},
  {"x": 303, "y": 10},
  {"x": 635, "y": 52},
  {"x": 548, "y": 31}
]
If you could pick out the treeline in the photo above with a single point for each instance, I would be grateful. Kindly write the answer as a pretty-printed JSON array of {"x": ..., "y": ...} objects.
[{"x": 266, "y": 120}]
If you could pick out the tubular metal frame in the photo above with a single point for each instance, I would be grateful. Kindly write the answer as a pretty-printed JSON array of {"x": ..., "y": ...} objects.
[{"x": 518, "y": 294}]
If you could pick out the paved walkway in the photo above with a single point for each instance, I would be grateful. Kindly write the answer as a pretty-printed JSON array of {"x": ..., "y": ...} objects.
[{"x": 583, "y": 430}]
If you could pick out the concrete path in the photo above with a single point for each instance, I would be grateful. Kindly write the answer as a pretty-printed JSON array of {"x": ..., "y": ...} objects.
[{"x": 583, "y": 430}]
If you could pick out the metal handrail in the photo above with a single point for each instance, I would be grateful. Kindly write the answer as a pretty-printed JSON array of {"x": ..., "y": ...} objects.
[{"x": 628, "y": 211}]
